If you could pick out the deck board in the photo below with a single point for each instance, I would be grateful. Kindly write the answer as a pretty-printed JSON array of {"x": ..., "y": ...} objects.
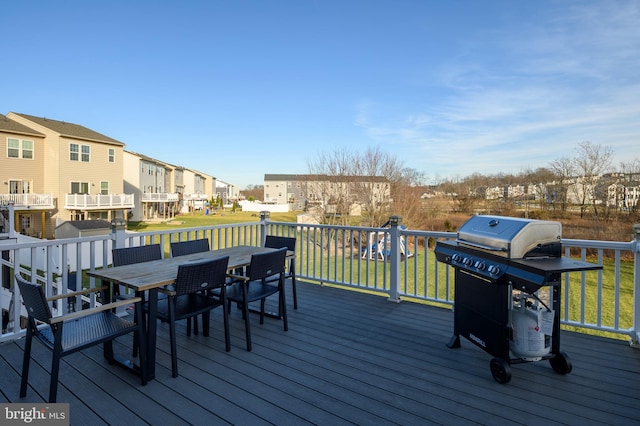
[{"x": 348, "y": 358}]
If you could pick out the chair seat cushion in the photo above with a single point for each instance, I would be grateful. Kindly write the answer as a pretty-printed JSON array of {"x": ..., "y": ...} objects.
[
  {"x": 257, "y": 290},
  {"x": 86, "y": 331},
  {"x": 187, "y": 305}
]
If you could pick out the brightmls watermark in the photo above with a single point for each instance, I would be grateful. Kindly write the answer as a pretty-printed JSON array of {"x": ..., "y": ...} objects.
[{"x": 34, "y": 414}]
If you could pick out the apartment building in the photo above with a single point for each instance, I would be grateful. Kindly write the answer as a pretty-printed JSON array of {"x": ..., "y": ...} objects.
[{"x": 330, "y": 193}]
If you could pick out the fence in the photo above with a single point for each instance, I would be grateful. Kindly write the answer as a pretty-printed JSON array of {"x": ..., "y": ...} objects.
[{"x": 394, "y": 262}]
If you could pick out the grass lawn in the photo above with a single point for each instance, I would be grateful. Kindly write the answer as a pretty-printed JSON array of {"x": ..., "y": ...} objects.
[{"x": 218, "y": 217}]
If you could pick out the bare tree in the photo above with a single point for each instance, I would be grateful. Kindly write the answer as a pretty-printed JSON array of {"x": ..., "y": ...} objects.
[
  {"x": 591, "y": 161},
  {"x": 537, "y": 181},
  {"x": 558, "y": 190},
  {"x": 407, "y": 197},
  {"x": 328, "y": 186},
  {"x": 253, "y": 192},
  {"x": 351, "y": 181}
]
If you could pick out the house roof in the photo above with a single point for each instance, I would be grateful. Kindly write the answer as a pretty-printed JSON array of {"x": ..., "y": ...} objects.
[
  {"x": 10, "y": 126},
  {"x": 71, "y": 130},
  {"x": 85, "y": 225}
]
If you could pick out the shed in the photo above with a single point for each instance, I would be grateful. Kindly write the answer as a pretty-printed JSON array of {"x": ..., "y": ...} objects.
[{"x": 82, "y": 228}]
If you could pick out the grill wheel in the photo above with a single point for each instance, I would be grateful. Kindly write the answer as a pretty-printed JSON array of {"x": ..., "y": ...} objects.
[
  {"x": 501, "y": 370},
  {"x": 561, "y": 363}
]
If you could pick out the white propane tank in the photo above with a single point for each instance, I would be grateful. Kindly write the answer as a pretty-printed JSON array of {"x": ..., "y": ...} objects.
[{"x": 529, "y": 342}]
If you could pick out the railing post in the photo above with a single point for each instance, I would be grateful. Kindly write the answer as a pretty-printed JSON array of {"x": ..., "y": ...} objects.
[
  {"x": 264, "y": 217},
  {"x": 118, "y": 228},
  {"x": 635, "y": 337},
  {"x": 394, "y": 258}
]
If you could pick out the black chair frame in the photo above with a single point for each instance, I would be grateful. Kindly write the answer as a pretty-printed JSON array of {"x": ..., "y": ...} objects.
[
  {"x": 70, "y": 333},
  {"x": 182, "y": 248},
  {"x": 276, "y": 241},
  {"x": 194, "y": 295},
  {"x": 259, "y": 284}
]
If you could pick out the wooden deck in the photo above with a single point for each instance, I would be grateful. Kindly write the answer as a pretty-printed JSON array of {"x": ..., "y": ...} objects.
[{"x": 348, "y": 358}]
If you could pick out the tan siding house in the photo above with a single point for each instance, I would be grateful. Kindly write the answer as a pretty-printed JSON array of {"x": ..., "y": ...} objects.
[
  {"x": 22, "y": 182},
  {"x": 82, "y": 169}
]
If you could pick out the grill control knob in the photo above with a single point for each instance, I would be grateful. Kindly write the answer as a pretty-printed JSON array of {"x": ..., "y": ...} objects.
[
  {"x": 493, "y": 269},
  {"x": 467, "y": 261},
  {"x": 455, "y": 257},
  {"x": 480, "y": 265}
]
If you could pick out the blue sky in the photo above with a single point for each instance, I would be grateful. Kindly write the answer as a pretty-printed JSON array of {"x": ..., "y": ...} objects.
[{"x": 238, "y": 89}]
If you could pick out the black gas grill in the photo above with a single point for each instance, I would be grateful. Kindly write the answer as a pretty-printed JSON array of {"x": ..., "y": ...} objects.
[{"x": 507, "y": 289}]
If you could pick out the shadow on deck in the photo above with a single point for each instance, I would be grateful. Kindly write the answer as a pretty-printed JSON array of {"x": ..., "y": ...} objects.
[{"x": 348, "y": 358}]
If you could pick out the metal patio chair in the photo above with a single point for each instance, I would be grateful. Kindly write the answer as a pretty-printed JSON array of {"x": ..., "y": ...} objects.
[
  {"x": 258, "y": 284},
  {"x": 66, "y": 334},
  {"x": 182, "y": 248},
  {"x": 274, "y": 241},
  {"x": 193, "y": 296}
]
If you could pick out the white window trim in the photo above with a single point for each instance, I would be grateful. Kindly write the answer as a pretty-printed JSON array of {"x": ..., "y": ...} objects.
[{"x": 21, "y": 149}]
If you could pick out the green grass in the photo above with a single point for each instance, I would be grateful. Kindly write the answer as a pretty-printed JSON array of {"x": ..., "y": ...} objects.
[{"x": 198, "y": 218}]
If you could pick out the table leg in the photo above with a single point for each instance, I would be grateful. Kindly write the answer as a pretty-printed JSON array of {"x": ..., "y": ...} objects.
[{"x": 152, "y": 319}]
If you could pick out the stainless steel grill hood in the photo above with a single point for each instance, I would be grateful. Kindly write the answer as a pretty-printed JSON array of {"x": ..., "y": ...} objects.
[{"x": 510, "y": 237}]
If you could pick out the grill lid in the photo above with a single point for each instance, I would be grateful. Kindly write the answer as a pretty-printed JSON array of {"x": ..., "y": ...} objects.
[{"x": 511, "y": 237}]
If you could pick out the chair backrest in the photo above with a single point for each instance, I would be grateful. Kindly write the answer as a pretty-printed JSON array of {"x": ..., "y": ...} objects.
[
  {"x": 205, "y": 275},
  {"x": 264, "y": 265},
  {"x": 129, "y": 255},
  {"x": 273, "y": 241},
  {"x": 182, "y": 248},
  {"x": 34, "y": 300}
]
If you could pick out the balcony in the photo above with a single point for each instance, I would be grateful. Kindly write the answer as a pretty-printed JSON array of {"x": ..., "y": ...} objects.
[
  {"x": 196, "y": 196},
  {"x": 348, "y": 358},
  {"x": 28, "y": 201},
  {"x": 160, "y": 197},
  {"x": 98, "y": 201}
]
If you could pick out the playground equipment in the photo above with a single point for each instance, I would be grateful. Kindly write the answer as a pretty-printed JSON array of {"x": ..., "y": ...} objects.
[{"x": 379, "y": 246}]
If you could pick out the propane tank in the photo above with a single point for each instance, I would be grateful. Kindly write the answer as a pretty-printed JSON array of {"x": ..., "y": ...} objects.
[{"x": 529, "y": 342}]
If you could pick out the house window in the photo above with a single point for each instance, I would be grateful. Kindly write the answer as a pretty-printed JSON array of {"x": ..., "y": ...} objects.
[
  {"x": 19, "y": 187},
  {"x": 79, "y": 152},
  {"x": 79, "y": 187},
  {"x": 104, "y": 188},
  {"x": 27, "y": 149},
  {"x": 86, "y": 150},
  {"x": 74, "y": 150},
  {"x": 17, "y": 148},
  {"x": 112, "y": 155}
]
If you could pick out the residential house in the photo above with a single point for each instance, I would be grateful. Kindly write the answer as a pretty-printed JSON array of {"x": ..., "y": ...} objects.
[
  {"x": 152, "y": 183},
  {"x": 81, "y": 169},
  {"x": 198, "y": 189},
  {"x": 22, "y": 176},
  {"x": 624, "y": 196},
  {"x": 227, "y": 192},
  {"x": 163, "y": 190}
]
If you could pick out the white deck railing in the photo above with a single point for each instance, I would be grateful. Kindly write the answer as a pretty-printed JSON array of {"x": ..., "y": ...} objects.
[
  {"x": 398, "y": 263},
  {"x": 27, "y": 200},
  {"x": 163, "y": 197},
  {"x": 98, "y": 201}
]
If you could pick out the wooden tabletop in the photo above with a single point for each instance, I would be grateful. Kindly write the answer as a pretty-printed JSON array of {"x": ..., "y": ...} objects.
[{"x": 157, "y": 273}]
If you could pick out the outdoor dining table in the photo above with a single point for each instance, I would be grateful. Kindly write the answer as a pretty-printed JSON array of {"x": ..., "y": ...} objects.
[{"x": 149, "y": 277}]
